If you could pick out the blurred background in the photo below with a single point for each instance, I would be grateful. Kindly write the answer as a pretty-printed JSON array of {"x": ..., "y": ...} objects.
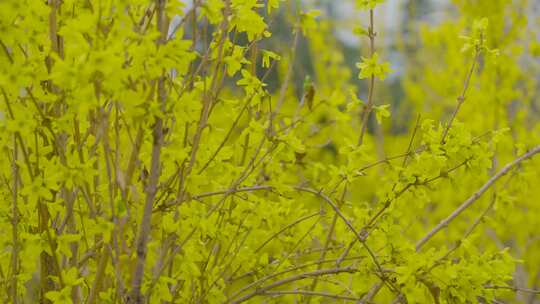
[{"x": 398, "y": 24}]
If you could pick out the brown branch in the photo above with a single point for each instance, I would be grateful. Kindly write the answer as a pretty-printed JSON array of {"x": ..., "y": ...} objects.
[
  {"x": 15, "y": 223},
  {"x": 411, "y": 141},
  {"x": 230, "y": 191},
  {"x": 461, "y": 97},
  {"x": 298, "y": 277},
  {"x": 290, "y": 70},
  {"x": 134, "y": 157},
  {"x": 371, "y": 293},
  {"x": 475, "y": 196},
  {"x": 100, "y": 275},
  {"x": 192, "y": 12},
  {"x": 369, "y": 106},
  {"x": 310, "y": 293},
  {"x": 513, "y": 288},
  {"x": 145, "y": 226},
  {"x": 6, "y": 51}
]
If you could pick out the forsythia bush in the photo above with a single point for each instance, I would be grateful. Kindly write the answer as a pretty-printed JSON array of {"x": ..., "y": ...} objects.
[{"x": 146, "y": 158}]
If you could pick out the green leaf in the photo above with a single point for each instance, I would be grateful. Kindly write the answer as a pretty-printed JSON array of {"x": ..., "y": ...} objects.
[
  {"x": 360, "y": 31},
  {"x": 381, "y": 112},
  {"x": 368, "y": 4},
  {"x": 272, "y": 4},
  {"x": 71, "y": 277},
  {"x": 60, "y": 297},
  {"x": 267, "y": 56},
  {"x": 371, "y": 67}
]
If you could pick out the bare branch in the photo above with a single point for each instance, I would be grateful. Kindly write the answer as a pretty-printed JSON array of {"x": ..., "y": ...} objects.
[
  {"x": 461, "y": 97},
  {"x": 513, "y": 288},
  {"x": 145, "y": 226},
  {"x": 298, "y": 277},
  {"x": 310, "y": 293},
  {"x": 369, "y": 106}
]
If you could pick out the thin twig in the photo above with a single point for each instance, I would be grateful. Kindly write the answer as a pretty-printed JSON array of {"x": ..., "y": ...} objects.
[
  {"x": 310, "y": 293},
  {"x": 145, "y": 226},
  {"x": 15, "y": 224},
  {"x": 285, "y": 83},
  {"x": 369, "y": 105},
  {"x": 461, "y": 97},
  {"x": 513, "y": 288},
  {"x": 411, "y": 141},
  {"x": 298, "y": 277}
]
